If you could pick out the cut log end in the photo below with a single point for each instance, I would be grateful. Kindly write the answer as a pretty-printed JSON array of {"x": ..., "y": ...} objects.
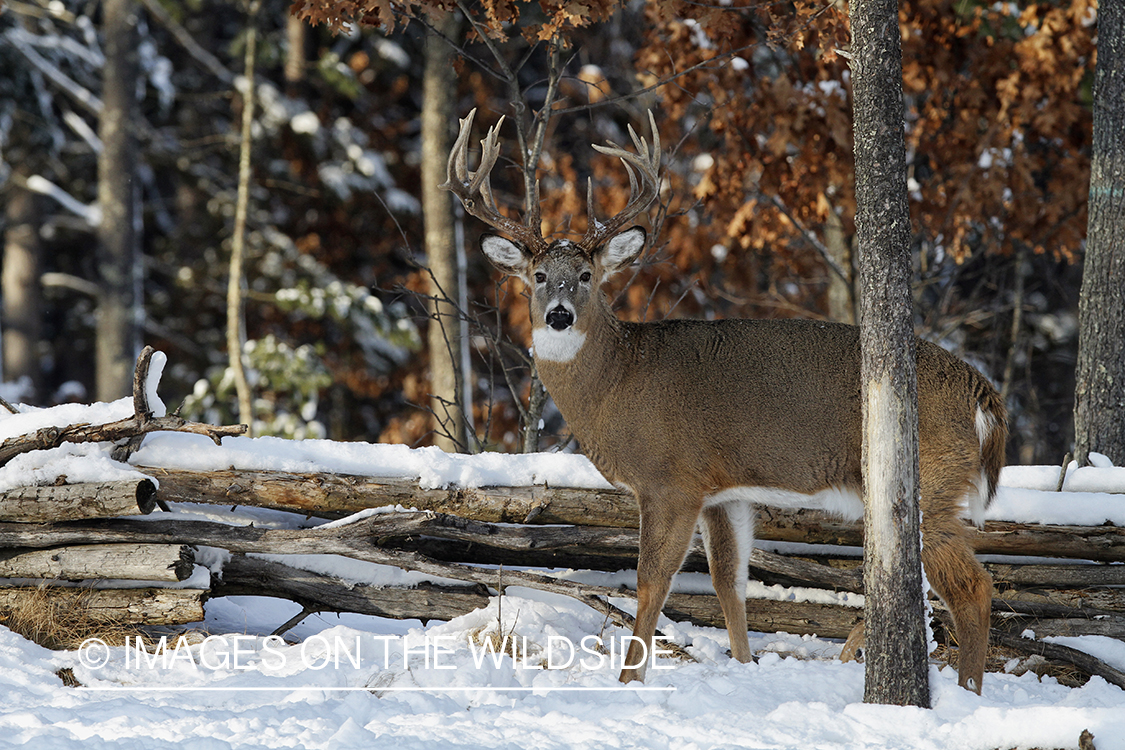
[{"x": 146, "y": 496}]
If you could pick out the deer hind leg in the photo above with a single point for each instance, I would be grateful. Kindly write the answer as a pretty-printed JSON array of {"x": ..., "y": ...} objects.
[
  {"x": 667, "y": 525},
  {"x": 728, "y": 534},
  {"x": 964, "y": 586}
]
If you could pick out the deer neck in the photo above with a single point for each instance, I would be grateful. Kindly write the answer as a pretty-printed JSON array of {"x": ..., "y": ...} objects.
[{"x": 580, "y": 367}]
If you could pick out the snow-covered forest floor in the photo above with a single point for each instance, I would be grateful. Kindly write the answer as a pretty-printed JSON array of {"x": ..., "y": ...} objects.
[{"x": 358, "y": 681}]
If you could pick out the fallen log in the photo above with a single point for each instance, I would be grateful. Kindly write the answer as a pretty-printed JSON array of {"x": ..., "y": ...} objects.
[
  {"x": 768, "y": 615},
  {"x": 147, "y": 606},
  {"x": 252, "y": 576},
  {"x": 64, "y": 502},
  {"x": 135, "y": 562},
  {"x": 1061, "y": 576},
  {"x": 1064, "y": 654},
  {"x": 338, "y": 495},
  {"x": 245, "y": 575}
]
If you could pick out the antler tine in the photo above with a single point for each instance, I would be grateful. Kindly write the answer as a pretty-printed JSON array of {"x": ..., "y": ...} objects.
[
  {"x": 456, "y": 169},
  {"x": 468, "y": 185},
  {"x": 647, "y": 164}
]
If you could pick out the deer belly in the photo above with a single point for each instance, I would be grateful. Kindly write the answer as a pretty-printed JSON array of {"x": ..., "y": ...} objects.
[{"x": 839, "y": 501}]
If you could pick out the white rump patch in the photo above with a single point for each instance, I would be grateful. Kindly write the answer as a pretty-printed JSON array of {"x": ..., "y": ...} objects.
[
  {"x": 556, "y": 346},
  {"x": 985, "y": 423},
  {"x": 835, "y": 500},
  {"x": 975, "y": 499}
]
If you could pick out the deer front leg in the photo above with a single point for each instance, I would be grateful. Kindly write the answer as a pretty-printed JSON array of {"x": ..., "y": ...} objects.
[{"x": 667, "y": 523}]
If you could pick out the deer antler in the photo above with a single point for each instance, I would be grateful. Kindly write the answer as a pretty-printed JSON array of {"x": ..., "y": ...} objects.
[
  {"x": 468, "y": 185},
  {"x": 647, "y": 163}
]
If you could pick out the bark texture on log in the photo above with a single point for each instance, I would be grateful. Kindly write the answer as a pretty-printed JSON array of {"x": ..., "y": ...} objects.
[
  {"x": 133, "y": 562},
  {"x": 338, "y": 495},
  {"x": 119, "y": 606},
  {"x": 67, "y": 502}
]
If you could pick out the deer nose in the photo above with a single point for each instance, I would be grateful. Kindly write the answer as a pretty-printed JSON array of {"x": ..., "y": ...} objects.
[{"x": 560, "y": 318}]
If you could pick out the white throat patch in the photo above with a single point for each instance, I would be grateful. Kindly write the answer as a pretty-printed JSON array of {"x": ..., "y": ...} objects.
[{"x": 556, "y": 346}]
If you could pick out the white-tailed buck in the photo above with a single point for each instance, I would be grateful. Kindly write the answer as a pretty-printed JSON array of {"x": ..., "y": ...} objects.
[{"x": 703, "y": 420}]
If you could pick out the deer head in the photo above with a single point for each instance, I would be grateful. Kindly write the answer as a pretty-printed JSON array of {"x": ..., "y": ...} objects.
[{"x": 564, "y": 276}]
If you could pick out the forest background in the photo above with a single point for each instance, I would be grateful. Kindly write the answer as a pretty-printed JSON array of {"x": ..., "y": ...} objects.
[{"x": 755, "y": 218}]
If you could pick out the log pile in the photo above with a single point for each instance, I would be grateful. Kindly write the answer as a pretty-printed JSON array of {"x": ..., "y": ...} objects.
[
  {"x": 122, "y": 583},
  {"x": 138, "y": 575},
  {"x": 458, "y": 537}
]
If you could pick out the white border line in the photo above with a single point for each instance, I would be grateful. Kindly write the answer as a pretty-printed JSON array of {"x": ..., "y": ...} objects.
[{"x": 369, "y": 689}]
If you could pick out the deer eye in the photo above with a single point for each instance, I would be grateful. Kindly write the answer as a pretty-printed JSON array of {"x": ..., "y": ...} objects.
[
  {"x": 585, "y": 276},
  {"x": 540, "y": 277}
]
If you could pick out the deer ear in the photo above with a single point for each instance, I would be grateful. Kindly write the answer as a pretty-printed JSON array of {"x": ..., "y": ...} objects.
[
  {"x": 621, "y": 250},
  {"x": 506, "y": 255}
]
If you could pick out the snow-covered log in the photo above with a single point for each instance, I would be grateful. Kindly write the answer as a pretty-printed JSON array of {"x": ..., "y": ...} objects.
[{"x": 336, "y": 495}]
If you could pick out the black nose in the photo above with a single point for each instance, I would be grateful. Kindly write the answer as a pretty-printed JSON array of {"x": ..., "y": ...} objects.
[{"x": 560, "y": 318}]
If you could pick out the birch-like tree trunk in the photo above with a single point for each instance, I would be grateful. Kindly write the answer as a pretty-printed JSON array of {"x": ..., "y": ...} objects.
[
  {"x": 236, "y": 333},
  {"x": 21, "y": 289},
  {"x": 895, "y": 652},
  {"x": 1099, "y": 398},
  {"x": 446, "y": 330},
  {"x": 118, "y": 261}
]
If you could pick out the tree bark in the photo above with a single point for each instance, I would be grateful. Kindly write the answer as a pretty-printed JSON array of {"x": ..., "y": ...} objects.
[
  {"x": 68, "y": 502},
  {"x": 446, "y": 334},
  {"x": 22, "y": 319},
  {"x": 118, "y": 259},
  {"x": 130, "y": 562},
  {"x": 1099, "y": 398},
  {"x": 896, "y": 665}
]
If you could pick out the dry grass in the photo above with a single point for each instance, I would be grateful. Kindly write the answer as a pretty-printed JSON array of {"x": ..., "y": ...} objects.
[
  {"x": 499, "y": 642},
  {"x": 59, "y": 619}
]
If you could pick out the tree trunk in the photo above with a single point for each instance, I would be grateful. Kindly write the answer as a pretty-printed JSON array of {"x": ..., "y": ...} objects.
[
  {"x": 841, "y": 292},
  {"x": 236, "y": 325},
  {"x": 21, "y": 290},
  {"x": 1099, "y": 398},
  {"x": 896, "y": 665},
  {"x": 118, "y": 329},
  {"x": 439, "y": 94},
  {"x": 296, "y": 60}
]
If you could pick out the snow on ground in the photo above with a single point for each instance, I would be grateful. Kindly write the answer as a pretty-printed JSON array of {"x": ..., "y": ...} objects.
[{"x": 352, "y": 681}]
